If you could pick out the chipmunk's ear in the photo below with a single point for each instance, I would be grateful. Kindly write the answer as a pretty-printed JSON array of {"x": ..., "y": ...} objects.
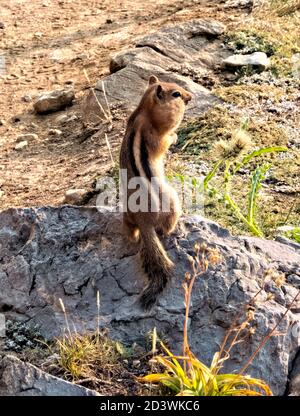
[
  {"x": 153, "y": 80},
  {"x": 159, "y": 92}
]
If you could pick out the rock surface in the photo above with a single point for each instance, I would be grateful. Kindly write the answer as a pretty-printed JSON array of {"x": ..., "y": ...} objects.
[
  {"x": 54, "y": 100},
  {"x": 22, "y": 379},
  {"x": 257, "y": 59},
  {"x": 294, "y": 384},
  {"x": 72, "y": 252},
  {"x": 183, "y": 53}
]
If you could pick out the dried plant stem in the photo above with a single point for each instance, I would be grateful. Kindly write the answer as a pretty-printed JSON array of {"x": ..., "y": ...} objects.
[
  {"x": 96, "y": 98},
  {"x": 188, "y": 287},
  {"x": 109, "y": 149},
  {"x": 108, "y": 116},
  {"x": 268, "y": 336},
  {"x": 98, "y": 315},
  {"x": 66, "y": 316},
  {"x": 234, "y": 325},
  {"x": 106, "y": 101}
]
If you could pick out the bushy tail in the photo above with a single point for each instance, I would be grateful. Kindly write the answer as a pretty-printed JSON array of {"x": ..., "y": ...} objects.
[{"x": 157, "y": 266}]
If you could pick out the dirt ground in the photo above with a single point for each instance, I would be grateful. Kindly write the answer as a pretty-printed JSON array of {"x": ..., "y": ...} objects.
[{"x": 47, "y": 45}]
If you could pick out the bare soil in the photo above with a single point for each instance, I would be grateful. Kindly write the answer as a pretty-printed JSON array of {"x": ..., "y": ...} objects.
[{"x": 47, "y": 45}]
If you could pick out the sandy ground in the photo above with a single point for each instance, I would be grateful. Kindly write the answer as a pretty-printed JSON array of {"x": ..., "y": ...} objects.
[{"x": 45, "y": 45}]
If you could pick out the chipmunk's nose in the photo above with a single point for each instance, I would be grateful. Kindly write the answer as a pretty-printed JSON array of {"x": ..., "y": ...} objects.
[{"x": 187, "y": 97}]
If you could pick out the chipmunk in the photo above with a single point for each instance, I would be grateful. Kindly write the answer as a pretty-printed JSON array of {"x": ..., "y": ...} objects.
[{"x": 149, "y": 134}]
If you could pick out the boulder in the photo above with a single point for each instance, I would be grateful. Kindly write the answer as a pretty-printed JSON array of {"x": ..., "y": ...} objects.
[
  {"x": 18, "y": 378},
  {"x": 54, "y": 100},
  {"x": 72, "y": 252},
  {"x": 182, "y": 53}
]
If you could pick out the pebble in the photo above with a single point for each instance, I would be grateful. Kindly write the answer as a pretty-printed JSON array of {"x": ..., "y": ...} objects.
[
  {"x": 27, "y": 98},
  {"x": 21, "y": 145},
  {"x": 74, "y": 196},
  {"x": 28, "y": 137},
  {"x": 55, "y": 132},
  {"x": 65, "y": 118}
]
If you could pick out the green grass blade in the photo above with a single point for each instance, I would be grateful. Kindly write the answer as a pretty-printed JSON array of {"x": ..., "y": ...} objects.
[
  {"x": 212, "y": 173},
  {"x": 246, "y": 159},
  {"x": 257, "y": 177}
]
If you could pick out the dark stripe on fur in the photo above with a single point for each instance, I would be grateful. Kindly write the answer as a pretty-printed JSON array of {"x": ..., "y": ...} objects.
[
  {"x": 131, "y": 155},
  {"x": 145, "y": 159}
]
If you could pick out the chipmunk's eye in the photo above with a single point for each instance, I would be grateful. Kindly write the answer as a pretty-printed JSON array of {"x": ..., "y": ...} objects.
[{"x": 176, "y": 94}]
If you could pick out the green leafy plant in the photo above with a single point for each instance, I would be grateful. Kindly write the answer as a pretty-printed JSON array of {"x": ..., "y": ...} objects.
[
  {"x": 294, "y": 234},
  {"x": 200, "y": 380},
  {"x": 248, "y": 41},
  {"x": 232, "y": 158}
]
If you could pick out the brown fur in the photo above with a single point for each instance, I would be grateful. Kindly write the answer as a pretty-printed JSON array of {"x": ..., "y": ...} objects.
[{"x": 149, "y": 134}]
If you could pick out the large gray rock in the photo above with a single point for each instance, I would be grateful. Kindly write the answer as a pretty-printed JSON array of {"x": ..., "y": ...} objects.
[
  {"x": 183, "y": 53},
  {"x": 22, "y": 379},
  {"x": 72, "y": 252}
]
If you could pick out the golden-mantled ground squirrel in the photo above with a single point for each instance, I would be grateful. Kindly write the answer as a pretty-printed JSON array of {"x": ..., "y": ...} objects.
[{"x": 149, "y": 134}]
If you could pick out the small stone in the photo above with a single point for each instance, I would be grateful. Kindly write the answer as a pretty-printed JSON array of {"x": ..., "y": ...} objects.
[
  {"x": 238, "y": 3},
  {"x": 109, "y": 21},
  {"x": 285, "y": 228},
  {"x": 54, "y": 100},
  {"x": 21, "y": 145},
  {"x": 61, "y": 119},
  {"x": 82, "y": 56},
  {"x": 55, "y": 132},
  {"x": 2, "y": 25},
  {"x": 74, "y": 196},
  {"x": 27, "y": 98},
  {"x": 38, "y": 35},
  {"x": 258, "y": 59},
  {"x": 62, "y": 55},
  {"x": 29, "y": 137},
  {"x": 2, "y": 123},
  {"x": 1, "y": 194},
  {"x": 65, "y": 118}
]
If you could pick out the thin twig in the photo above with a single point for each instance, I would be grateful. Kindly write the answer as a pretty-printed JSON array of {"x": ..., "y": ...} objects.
[
  {"x": 109, "y": 149},
  {"x": 106, "y": 101},
  {"x": 268, "y": 336},
  {"x": 94, "y": 379},
  {"x": 96, "y": 98},
  {"x": 108, "y": 117}
]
